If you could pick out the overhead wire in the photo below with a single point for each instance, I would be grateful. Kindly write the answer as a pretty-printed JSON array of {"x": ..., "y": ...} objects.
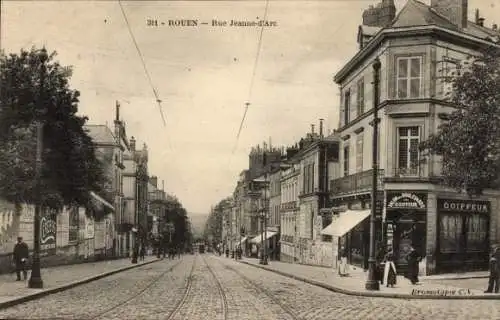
[
  {"x": 143, "y": 62},
  {"x": 252, "y": 80}
]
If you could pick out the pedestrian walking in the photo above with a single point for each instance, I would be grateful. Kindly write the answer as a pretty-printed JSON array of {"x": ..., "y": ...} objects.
[
  {"x": 142, "y": 253},
  {"x": 179, "y": 253},
  {"x": 20, "y": 255},
  {"x": 494, "y": 272},
  {"x": 413, "y": 259},
  {"x": 389, "y": 270},
  {"x": 343, "y": 267}
]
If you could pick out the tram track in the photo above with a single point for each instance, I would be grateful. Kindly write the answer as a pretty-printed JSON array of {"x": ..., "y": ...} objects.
[
  {"x": 264, "y": 291},
  {"x": 135, "y": 295},
  {"x": 187, "y": 291},
  {"x": 221, "y": 291}
]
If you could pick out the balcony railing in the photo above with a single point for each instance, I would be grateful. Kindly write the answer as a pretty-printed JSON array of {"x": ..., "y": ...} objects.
[
  {"x": 408, "y": 172},
  {"x": 355, "y": 183},
  {"x": 289, "y": 206}
]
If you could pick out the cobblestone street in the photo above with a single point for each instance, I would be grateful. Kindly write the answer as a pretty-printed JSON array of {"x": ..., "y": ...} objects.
[{"x": 206, "y": 287}]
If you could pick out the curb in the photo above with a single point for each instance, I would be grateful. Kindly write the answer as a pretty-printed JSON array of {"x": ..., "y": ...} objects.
[
  {"x": 46, "y": 292},
  {"x": 455, "y": 278},
  {"x": 378, "y": 294}
]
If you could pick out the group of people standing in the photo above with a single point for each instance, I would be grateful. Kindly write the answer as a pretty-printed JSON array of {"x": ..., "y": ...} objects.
[{"x": 386, "y": 271}]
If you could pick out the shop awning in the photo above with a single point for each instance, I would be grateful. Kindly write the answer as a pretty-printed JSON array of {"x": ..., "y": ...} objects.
[
  {"x": 345, "y": 222},
  {"x": 243, "y": 240},
  {"x": 266, "y": 235},
  {"x": 101, "y": 200}
]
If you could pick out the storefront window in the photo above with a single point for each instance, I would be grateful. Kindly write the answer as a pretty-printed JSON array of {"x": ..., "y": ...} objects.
[
  {"x": 477, "y": 232},
  {"x": 451, "y": 229}
]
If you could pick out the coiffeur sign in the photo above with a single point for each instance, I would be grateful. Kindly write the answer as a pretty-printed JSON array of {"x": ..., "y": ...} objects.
[
  {"x": 406, "y": 200},
  {"x": 48, "y": 230}
]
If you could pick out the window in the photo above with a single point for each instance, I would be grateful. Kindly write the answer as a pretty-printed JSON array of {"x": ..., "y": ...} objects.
[
  {"x": 450, "y": 70},
  {"x": 347, "y": 106},
  {"x": 409, "y": 77},
  {"x": 408, "y": 152},
  {"x": 360, "y": 97},
  {"x": 346, "y": 161},
  {"x": 359, "y": 153},
  {"x": 312, "y": 177}
]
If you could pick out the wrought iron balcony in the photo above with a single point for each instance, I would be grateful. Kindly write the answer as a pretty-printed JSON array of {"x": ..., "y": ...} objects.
[
  {"x": 288, "y": 206},
  {"x": 355, "y": 183},
  {"x": 408, "y": 172}
]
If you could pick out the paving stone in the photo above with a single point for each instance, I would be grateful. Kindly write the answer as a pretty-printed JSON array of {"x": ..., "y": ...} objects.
[{"x": 148, "y": 292}]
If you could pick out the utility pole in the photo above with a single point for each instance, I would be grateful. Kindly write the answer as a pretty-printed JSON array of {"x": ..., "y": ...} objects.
[
  {"x": 372, "y": 283},
  {"x": 35, "y": 280}
]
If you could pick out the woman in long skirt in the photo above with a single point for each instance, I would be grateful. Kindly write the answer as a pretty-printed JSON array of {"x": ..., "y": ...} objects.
[
  {"x": 390, "y": 271},
  {"x": 343, "y": 268}
]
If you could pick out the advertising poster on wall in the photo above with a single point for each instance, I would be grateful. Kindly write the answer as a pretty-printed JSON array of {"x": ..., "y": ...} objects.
[
  {"x": 89, "y": 228},
  {"x": 48, "y": 231},
  {"x": 73, "y": 225}
]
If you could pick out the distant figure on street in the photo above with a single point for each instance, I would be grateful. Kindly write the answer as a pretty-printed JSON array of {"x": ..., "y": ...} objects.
[
  {"x": 389, "y": 270},
  {"x": 21, "y": 254},
  {"x": 142, "y": 253},
  {"x": 179, "y": 252},
  {"x": 171, "y": 253},
  {"x": 413, "y": 259},
  {"x": 343, "y": 268},
  {"x": 494, "y": 272}
]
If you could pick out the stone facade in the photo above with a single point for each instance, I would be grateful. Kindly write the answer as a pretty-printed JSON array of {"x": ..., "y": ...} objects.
[{"x": 409, "y": 112}]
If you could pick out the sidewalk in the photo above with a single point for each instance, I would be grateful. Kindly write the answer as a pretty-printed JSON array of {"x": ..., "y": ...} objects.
[
  {"x": 432, "y": 287},
  {"x": 60, "y": 278}
]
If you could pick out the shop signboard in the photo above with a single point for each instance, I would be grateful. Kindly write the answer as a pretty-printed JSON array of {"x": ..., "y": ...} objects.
[
  {"x": 48, "y": 229},
  {"x": 406, "y": 201},
  {"x": 465, "y": 206}
]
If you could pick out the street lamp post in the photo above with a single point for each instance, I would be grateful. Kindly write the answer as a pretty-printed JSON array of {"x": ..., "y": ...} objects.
[
  {"x": 136, "y": 245},
  {"x": 35, "y": 280},
  {"x": 372, "y": 282},
  {"x": 261, "y": 216},
  {"x": 263, "y": 235}
]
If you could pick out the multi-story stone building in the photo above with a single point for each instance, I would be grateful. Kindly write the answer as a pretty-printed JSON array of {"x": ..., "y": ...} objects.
[
  {"x": 418, "y": 50},
  {"x": 240, "y": 235},
  {"x": 273, "y": 216},
  {"x": 156, "y": 207},
  {"x": 317, "y": 154},
  {"x": 135, "y": 181},
  {"x": 110, "y": 147},
  {"x": 289, "y": 207}
]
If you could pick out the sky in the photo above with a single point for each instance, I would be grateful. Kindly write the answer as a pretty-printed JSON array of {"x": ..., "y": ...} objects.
[{"x": 204, "y": 75}]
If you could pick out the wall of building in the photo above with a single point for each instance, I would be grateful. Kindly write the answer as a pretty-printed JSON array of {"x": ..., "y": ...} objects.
[{"x": 88, "y": 246}]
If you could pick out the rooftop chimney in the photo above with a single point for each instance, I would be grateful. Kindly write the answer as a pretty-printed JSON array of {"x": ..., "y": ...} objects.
[
  {"x": 453, "y": 10},
  {"x": 381, "y": 15},
  {"x": 321, "y": 128},
  {"x": 495, "y": 27},
  {"x": 312, "y": 129},
  {"x": 480, "y": 22},
  {"x": 132, "y": 143},
  {"x": 476, "y": 16},
  {"x": 154, "y": 181}
]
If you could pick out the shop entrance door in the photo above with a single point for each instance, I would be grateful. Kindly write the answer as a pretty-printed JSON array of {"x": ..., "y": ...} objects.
[{"x": 407, "y": 233}]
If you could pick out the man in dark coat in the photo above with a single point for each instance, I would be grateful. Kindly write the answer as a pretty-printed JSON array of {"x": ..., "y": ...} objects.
[
  {"x": 20, "y": 255},
  {"x": 413, "y": 259},
  {"x": 494, "y": 273}
]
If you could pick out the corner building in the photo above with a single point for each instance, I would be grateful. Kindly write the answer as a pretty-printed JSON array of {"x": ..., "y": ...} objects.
[{"x": 418, "y": 49}]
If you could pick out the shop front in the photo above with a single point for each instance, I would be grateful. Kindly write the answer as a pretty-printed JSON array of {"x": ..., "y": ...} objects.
[
  {"x": 463, "y": 235},
  {"x": 406, "y": 225}
]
